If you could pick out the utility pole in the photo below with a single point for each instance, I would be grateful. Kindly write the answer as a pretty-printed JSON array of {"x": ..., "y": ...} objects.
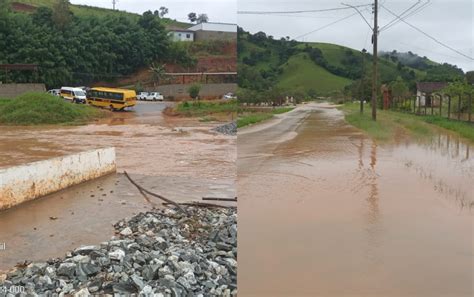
[
  {"x": 114, "y": 2},
  {"x": 374, "y": 68}
]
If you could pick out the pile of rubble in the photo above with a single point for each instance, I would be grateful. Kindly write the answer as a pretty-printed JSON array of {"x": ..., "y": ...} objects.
[
  {"x": 228, "y": 129},
  {"x": 158, "y": 253}
]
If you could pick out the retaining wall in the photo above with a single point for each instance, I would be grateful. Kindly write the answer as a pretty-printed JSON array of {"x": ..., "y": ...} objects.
[
  {"x": 14, "y": 90},
  {"x": 30, "y": 181},
  {"x": 179, "y": 91}
]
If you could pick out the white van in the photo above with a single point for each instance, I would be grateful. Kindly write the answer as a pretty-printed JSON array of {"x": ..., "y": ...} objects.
[{"x": 75, "y": 95}]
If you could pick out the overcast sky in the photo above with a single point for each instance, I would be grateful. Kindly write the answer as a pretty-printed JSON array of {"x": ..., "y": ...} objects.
[
  {"x": 217, "y": 10},
  {"x": 450, "y": 21}
]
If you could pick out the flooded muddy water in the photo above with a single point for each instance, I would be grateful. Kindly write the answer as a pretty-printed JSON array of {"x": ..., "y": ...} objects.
[
  {"x": 330, "y": 212},
  {"x": 180, "y": 159},
  {"x": 146, "y": 142}
]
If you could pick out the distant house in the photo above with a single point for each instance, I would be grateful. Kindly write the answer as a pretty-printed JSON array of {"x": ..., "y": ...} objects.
[
  {"x": 425, "y": 90},
  {"x": 180, "y": 34},
  {"x": 213, "y": 31}
]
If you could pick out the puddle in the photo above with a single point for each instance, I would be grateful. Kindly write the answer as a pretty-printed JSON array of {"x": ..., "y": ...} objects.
[{"x": 332, "y": 213}]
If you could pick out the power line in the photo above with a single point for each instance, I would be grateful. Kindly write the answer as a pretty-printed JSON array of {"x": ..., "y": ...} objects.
[
  {"x": 358, "y": 11},
  {"x": 429, "y": 36},
  {"x": 426, "y": 4},
  {"x": 325, "y": 26},
  {"x": 404, "y": 12},
  {"x": 300, "y": 11}
]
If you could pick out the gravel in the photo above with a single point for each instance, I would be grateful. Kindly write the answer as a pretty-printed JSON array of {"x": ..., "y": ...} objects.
[
  {"x": 228, "y": 129},
  {"x": 157, "y": 253}
]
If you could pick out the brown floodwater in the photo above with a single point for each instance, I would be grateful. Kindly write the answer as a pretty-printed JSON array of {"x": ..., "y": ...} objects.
[
  {"x": 146, "y": 142},
  {"x": 176, "y": 157},
  {"x": 326, "y": 211}
]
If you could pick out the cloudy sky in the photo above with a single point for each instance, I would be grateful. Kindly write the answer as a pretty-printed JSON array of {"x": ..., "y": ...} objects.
[
  {"x": 217, "y": 10},
  {"x": 449, "y": 21}
]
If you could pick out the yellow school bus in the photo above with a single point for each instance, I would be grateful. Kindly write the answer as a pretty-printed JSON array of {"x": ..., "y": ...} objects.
[{"x": 115, "y": 99}]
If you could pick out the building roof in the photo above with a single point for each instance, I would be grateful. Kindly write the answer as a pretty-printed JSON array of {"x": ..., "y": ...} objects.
[
  {"x": 430, "y": 87},
  {"x": 208, "y": 26},
  {"x": 178, "y": 29}
]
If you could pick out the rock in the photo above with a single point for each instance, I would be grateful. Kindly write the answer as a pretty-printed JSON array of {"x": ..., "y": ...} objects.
[
  {"x": 82, "y": 293},
  {"x": 86, "y": 269},
  {"x": 137, "y": 281},
  {"x": 67, "y": 269},
  {"x": 86, "y": 250},
  {"x": 127, "y": 231},
  {"x": 118, "y": 255}
]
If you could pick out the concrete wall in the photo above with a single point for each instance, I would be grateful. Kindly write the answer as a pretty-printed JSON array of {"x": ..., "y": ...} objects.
[
  {"x": 215, "y": 35},
  {"x": 22, "y": 183},
  {"x": 14, "y": 90},
  {"x": 180, "y": 91}
]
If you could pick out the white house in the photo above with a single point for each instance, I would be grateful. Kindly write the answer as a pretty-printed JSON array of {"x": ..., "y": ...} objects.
[
  {"x": 425, "y": 91},
  {"x": 179, "y": 34}
]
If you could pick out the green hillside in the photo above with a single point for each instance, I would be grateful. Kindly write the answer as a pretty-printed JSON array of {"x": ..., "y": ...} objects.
[
  {"x": 301, "y": 74},
  {"x": 97, "y": 12},
  {"x": 289, "y": 64}
]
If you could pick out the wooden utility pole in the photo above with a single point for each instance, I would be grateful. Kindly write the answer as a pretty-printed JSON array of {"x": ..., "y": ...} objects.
[
  {"x": 114, "y": 2},
  {"x": 374, "y": 70}
]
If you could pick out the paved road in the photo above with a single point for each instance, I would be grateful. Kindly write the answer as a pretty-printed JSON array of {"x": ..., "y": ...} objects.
[{"x": 326, "y": 211}]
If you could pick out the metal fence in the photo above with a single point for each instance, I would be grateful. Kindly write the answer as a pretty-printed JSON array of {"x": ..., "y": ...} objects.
[{"x": 459, "y": 107}]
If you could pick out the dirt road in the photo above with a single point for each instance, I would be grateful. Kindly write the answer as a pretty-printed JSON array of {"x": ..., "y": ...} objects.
[
  {"x": 326, "y": 211},
  {"x": 178, "y": 158}
]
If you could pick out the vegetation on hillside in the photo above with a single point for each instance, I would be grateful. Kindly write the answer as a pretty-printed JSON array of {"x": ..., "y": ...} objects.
[
  {"x": 325, "y": 69},
  {"x": 42, "y": 108},
  {"x": 80, "y": 48}
]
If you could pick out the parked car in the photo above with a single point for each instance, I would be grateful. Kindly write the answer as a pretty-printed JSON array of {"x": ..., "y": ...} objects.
[
  {"x": 142, "y": 95},
  {"x": 154, "y": 96},
  {"x": 229, "y": 96},
  {"x": 55, "y": 92},
  {"x": 75, "y": 95}
]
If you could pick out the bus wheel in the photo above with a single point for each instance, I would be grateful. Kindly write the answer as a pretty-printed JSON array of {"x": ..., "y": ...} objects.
[{"x": 112, "y": 107}]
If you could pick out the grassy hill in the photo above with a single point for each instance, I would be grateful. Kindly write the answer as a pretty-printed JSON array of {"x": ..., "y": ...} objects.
[
  {"x": 301, "y": 74},
  {"x": 290, "y": 66},
  {"x": 98, "y": 12}
]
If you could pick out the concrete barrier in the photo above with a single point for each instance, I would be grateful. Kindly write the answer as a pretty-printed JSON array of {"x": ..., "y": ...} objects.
[{"x": 23, "y": 183}]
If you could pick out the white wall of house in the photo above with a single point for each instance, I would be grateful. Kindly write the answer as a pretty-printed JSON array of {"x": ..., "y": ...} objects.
[
  {"x": 182, "y": 35},
  {"x": 220, "y": 27}
]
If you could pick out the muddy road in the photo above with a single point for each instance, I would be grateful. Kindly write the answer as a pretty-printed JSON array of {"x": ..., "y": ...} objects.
[
  {"x": 178, "y": 158},
  {"x": 326, "y": 211}
]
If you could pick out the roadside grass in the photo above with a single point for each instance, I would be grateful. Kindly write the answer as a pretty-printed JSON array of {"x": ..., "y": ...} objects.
[
  {"x": 204, "y": 108},
  {"x": 464, "y": 129},
  {"x": 43, "y": 109},
  {"x": 250, "y": 117},
  {"x": 389, "y": 123}
]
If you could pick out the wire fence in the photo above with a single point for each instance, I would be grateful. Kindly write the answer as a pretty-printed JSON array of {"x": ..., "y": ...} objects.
[{"x": 458, "y": 107}]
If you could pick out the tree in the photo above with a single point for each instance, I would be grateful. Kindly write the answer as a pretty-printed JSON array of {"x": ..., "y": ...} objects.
[
  {"x": 202, "y": 18},
  {"x": 62, "y": 16},
  {"x": 192, "y": 17},
  {"x": 158, "y": 71},
  {"x": 470, "y": 77},
  {"x": 399, "y": 88},
  {"x": 194, "y": 90},
  {"x": 163, "y": 11}
]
